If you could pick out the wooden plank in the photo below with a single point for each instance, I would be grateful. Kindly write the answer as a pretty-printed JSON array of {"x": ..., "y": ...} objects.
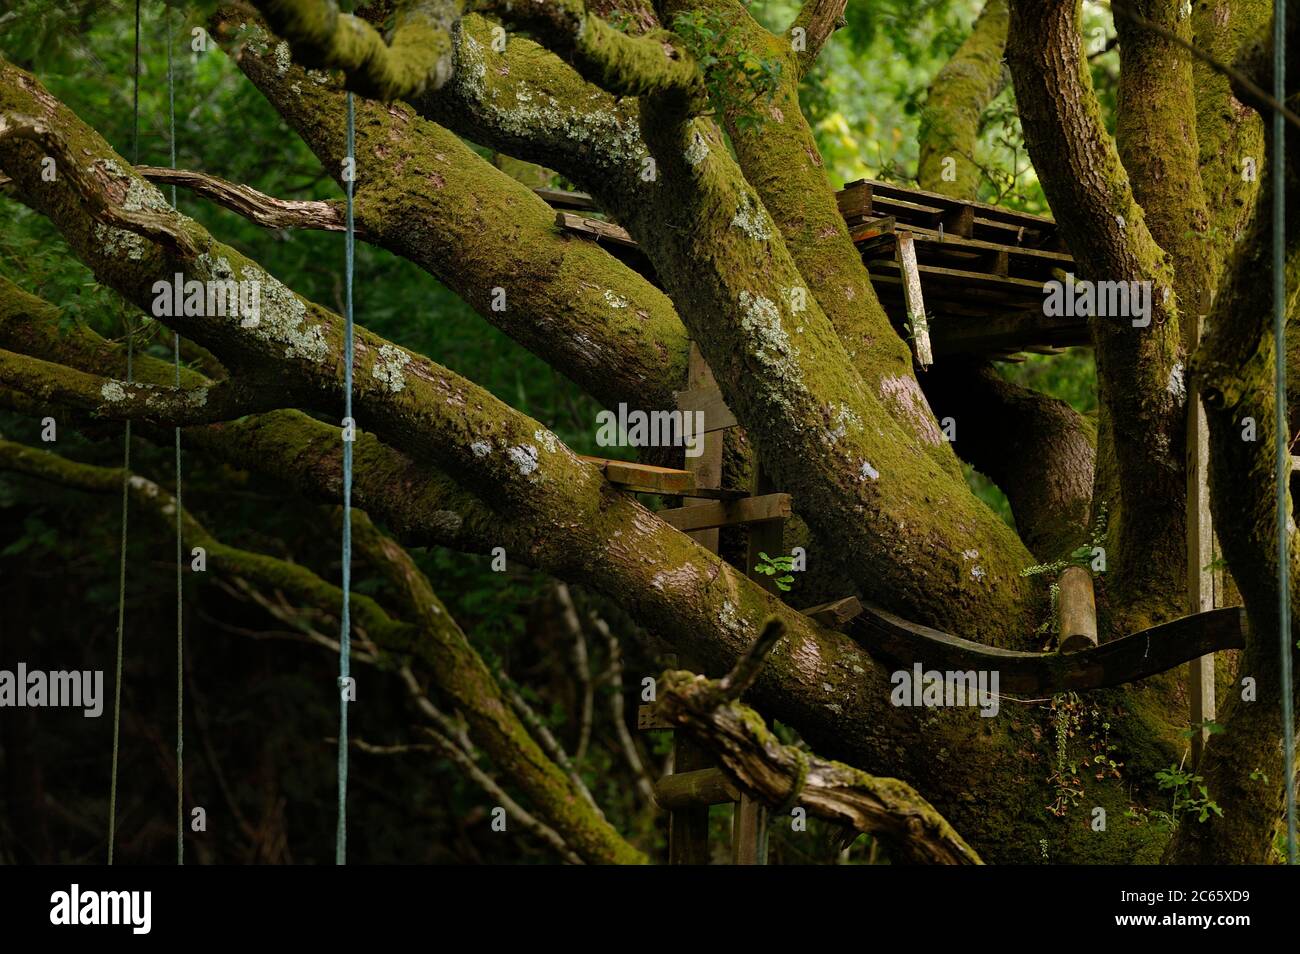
[
  {"x": 1077, "y": 610},
  {"x": 692, "y": 789},
  {"x": 917, "y": 325},
  {"x": 717, "y": 416},
  {"x": 1122, "y": 660},
  {"x": 709, "y": 514},
  {"x": 836, "y": 613},
  {"x": 749, "y": 832},
  {"x": 649, "y": 719},
  {"x": 1200, "y": 553},
  {"x": 982, "y": 209},
  {"x": 872, "y": 229},
  {"x": 749, "y": 818},
  {"x": 688, "y": 828},
  {"x": 595, "y": 228},
  {"x": 561, "y": 199},
  {"x": 645, "y": 478}
]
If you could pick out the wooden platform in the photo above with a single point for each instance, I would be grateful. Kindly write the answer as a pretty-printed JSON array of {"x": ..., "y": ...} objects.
[{"x": 981, "y": 267}]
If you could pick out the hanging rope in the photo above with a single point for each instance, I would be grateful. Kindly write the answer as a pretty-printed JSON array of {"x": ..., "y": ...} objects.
[
  {"x": 345, "y": 637},
  {"x": 1281, "y": 425},
  {"x": 180, "y": 586},
  {"x": 126, "y": 483}
]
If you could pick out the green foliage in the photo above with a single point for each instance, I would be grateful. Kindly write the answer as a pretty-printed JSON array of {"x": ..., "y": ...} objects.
[
  {"x": 1083, "y": 747},
  {"x": 1189, "y": 795},
  {"x": 781, "y": 568},
  {"x": 737, "y": 78}
]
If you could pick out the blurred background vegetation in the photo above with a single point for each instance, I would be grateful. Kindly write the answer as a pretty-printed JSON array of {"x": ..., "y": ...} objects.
[{"x": 259, "y": 756}]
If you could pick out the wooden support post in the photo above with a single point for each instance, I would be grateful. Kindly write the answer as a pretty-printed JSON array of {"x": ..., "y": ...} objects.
[
  {"x": 688, "y": 826},
  {"x": 749, "y": 823},
  {"x": 918, "y": 327},
  {"x": 1200, "y": 554},
  {"x": 1077, "y": 610}
]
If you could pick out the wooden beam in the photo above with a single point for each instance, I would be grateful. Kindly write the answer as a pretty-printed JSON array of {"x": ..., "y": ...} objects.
[
  {"x": 1122, "y": 660},
  {"x": 1077, "y": 610},
  {"x": 918, "y": 326},
  {"x": 720, "y": 513},
  {"x": 702, "y": 787},
  {"x": 836, "y": 613},
  {"x": 717, "y": 416},
  {"x": 645, "y": 478}
]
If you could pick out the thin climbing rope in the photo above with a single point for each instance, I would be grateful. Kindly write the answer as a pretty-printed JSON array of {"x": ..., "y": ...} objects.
[
  {"x": 345, "y": 636},
  {"x": 1281, "y": 427},
  {"x": 126, "y": 483},
  {"x": 180, "y": 586}
]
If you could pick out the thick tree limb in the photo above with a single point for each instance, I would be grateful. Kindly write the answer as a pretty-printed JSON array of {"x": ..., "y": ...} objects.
[
  {"x": 423, "y": 194},
  {"x": 417, "y": 56},
  {"x": 1139, "y": 368},
  {"x": 656, "y": 62},
  {"x": 120, "y": 209},
  {"x": 1037, "y": 449},
  {"x": 117, "y": 400},
  {"x": 1233, "y": 370},
  {"x": 961, "y": 91}
]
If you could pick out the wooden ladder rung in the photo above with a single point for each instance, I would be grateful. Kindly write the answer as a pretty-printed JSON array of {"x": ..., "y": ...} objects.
[
  {"x": 701, "y": 787},
  {"x": 646, "y": 478},
  {"x": 729, "y": 513}
]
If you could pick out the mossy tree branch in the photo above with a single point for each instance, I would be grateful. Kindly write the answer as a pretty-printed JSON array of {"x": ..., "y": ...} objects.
[
  {"x": 1139, "y": 368},
  {"x": 416, "y": 57},
  {"x": 1037, "y": 450},
  {"x": 626, "y": 65},
  {"x": 819, "y": 19},
  {"x": 1234, "y": 372},
  {"x": 959, "y": 94}
]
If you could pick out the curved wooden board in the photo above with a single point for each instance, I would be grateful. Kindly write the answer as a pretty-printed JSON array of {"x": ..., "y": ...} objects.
[{"x": 1122, "y": 660}]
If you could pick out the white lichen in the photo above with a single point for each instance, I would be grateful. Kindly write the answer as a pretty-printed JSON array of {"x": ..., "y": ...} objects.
[
  {"x": 282, "y": 59},
  {"x": 977, "y": 572},
  {"x": 481, "y": 448},
  {"x": 752, "y": 220},
  {"x": 546, "y": 439},
  {"x": 388, "y": 366},
  {"x": 842, "y": 419},
  {"x": 282, "y": 315},
  {"x": 762, "y": 319},
  {"x": 698, "y": 150},
  {"x": 615, "y": 300},
  {"x": 112, "y": 391},
  {"x": 868, "y": 471},
  {"x": 1176, "y": 386},
  {"x": 524, "y": 457}
]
